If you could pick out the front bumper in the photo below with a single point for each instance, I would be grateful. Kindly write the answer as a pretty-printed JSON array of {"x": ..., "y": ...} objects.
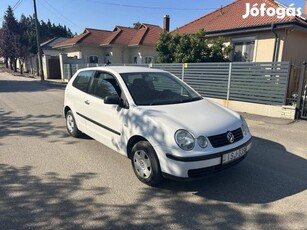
[{"x": 199, "y": 166}]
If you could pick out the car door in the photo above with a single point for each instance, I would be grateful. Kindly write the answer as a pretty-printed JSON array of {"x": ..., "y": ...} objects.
[
  {"x": 76, "y": 94},
  {"x": 105, "y": 121}
]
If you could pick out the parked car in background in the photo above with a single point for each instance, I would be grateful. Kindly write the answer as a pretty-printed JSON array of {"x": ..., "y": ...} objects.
[{"x": 160, "y": 123}]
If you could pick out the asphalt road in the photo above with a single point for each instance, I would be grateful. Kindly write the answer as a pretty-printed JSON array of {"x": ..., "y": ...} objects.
[{"x": 49, "y": 180}]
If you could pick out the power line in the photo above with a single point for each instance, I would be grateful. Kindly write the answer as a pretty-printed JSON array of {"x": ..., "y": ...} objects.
[
  {"x": 17, "y": 4},
  {"x": 59, "y": 14},
  {"x": 149, "y": 7}
]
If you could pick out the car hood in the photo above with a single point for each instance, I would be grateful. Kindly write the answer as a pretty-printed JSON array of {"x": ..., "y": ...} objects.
[{"x": 201, "y": 117}]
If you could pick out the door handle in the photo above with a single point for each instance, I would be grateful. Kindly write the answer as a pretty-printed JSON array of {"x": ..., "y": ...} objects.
[{"x": 87, "y": 102}]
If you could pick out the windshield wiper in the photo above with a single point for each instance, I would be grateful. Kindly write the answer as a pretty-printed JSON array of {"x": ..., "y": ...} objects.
[
  {"x": 175, "y": 101},
  {"x": 189, "y": 99}
]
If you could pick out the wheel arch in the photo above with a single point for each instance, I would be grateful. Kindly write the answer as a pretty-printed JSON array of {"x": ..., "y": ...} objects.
[
  {"x": 132, "y": 141},
  {"x": 66, "y": 109}
]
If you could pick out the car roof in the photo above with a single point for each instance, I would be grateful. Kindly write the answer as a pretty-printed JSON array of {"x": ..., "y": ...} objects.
[{"x": 124, "y": 69}]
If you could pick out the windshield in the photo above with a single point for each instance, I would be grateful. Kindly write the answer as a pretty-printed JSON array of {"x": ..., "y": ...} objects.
[{"x": 158, "y": 88}]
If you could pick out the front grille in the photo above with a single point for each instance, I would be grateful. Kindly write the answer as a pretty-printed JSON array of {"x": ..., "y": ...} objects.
[
  {"x": 213, "y": 169},
  {"x": 221, "y": 139}
]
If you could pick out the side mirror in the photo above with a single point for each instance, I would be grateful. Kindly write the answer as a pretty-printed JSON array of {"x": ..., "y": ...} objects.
[{"x": 115, "y": 100}]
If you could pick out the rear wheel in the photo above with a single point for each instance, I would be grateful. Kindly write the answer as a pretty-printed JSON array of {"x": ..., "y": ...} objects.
[
  {"x": 71, "y": 125},
  {"x": 145, "y": 163}
]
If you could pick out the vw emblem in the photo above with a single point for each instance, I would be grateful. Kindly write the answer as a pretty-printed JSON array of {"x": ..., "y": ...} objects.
[{"x": 230, "y": 137}]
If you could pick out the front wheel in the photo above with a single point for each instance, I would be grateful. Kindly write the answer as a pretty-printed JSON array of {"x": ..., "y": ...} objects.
[
  {"x": 71, "y": 125},
  {"x": 145, "y": 163}
]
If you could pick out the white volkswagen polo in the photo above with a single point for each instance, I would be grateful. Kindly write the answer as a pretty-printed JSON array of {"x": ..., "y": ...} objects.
[{"x": 165, "y": 127}]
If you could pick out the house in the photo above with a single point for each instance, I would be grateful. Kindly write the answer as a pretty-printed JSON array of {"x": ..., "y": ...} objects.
[
  {"x": 129, "y": 45},
  {"x": 85, "y": 46},
  {"x": 122, "y": 45},
  {"x": 47, "y": 47},
  {"x": 50, "y": 58},
  {"x": 262, "y": 38}
]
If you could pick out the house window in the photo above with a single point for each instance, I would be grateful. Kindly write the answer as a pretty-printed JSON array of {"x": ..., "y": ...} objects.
[
  {"x": 108, "y": 59},
  {"x": 243, "y": 51},
  {"x": 93, "y": 59}
]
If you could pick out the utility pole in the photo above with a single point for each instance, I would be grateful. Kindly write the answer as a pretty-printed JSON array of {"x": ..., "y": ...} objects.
[{"x": 39, "y": 53}]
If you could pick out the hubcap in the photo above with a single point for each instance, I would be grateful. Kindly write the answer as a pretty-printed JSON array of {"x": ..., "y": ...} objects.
[
  {"x": 70, "y": 123},
  {"x": 142, "y": 164}
]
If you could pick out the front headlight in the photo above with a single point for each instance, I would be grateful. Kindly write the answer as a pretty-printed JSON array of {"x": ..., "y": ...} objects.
[
  {"x": 184, "y": 140},
  {"x": 244, "y": 126}
]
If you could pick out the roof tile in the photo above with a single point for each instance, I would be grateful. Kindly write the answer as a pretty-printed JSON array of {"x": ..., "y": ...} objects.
[
  {"x": 89, "y": 37},
  {"x": 230, "y": 17},
  {"x": 146, "y": 34}
]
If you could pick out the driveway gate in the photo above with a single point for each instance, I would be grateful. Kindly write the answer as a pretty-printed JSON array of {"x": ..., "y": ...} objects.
[
  {"x": 54, "y": 68},
  {"x": 302, "y": 94}
]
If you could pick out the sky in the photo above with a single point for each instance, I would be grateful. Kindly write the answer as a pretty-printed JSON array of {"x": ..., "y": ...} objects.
[{"x": 106, "y": 14}]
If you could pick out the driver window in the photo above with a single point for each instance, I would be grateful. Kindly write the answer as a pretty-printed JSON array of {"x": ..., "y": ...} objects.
[{"x": 104, "y": 85}]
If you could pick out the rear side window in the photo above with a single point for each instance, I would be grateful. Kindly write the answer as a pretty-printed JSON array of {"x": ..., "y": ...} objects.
[{"x": 82, "y": 80}]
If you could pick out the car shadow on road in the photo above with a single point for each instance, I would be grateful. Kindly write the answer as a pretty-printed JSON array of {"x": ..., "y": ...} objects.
[
  {"x": 49, "y": 127},
  {"x": 269, "y": 173}
]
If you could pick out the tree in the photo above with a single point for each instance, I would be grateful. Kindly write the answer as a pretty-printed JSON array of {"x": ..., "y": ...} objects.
[
  {"x": 190, "y": 48},
  {"x": 23, "y": 51},
  {"x": 28, "y": 33},
  {"x": 47, "y": 31},
  {"x": 166, "y": 47},
  {"x": 219, "y": 50},
  {"x": 9, "y": 39},
  {"x": 18, "y": 38},
  {"x": 4, "y": 47}
]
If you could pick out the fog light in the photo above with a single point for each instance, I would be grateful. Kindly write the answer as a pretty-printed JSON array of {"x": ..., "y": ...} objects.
[{"x": 202, "y": 141}]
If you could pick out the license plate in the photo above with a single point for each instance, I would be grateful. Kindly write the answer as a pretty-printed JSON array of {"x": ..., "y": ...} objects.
[{"x": 228, "y": 157}]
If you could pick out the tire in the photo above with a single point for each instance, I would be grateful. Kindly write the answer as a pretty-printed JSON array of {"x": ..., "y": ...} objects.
[
  {"x": 145, "y": 163},
  {"x": 71, "y": 125}
]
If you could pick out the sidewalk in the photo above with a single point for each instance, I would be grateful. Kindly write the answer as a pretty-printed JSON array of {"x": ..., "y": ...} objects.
[
  {"x": 33, "y": 76},
  {"x": 269, "y": 120}
]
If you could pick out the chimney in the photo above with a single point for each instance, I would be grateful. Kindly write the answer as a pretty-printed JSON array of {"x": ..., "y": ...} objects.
[{"x": 166, "y": 21}]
